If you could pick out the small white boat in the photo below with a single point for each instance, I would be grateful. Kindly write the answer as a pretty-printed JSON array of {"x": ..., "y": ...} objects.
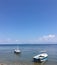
[
  {"x": 44, "y": 51},
  {"x": 41, "y": 57},
  {"x": 17, "y": 51}
]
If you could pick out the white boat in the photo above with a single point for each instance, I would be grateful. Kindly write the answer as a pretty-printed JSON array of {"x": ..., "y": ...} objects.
[
  {"x": 17, "y": 51},
  {"x": 41, "y": 57},
  {"x": 44, "y": 51}
]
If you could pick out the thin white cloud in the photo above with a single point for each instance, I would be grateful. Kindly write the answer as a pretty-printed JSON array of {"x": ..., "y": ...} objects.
[
  {"x": 48, "y": 38},
  {"x": 45, "y": 38},
  {"x": 9, "y": 41}
]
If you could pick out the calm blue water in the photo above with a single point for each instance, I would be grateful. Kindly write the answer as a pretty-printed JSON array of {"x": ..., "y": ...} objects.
[{"x": 27, "y": 52}]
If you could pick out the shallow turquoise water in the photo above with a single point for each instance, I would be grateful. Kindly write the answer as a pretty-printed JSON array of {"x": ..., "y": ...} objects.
[{"x": 27, "y": 52}]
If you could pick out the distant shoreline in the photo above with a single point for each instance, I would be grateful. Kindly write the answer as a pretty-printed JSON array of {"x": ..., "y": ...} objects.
[{"x": 24, "y": 44}]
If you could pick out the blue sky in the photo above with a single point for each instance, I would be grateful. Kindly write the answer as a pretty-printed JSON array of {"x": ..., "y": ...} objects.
[{"x": 28, "y": 20}]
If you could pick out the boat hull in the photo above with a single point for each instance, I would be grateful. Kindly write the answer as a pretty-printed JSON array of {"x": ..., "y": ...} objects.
[
  {"x": 17, "y": 52},
  {"x": 40, "y": 60},
  {"x": 36, "y": 60}
]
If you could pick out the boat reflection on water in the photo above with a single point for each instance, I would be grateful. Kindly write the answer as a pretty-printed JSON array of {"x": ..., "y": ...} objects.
[{"x": 37, "y": 63}]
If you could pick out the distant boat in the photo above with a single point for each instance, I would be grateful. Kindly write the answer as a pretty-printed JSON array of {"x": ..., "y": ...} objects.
[
  {"x": 17, "y": 51},
  {"x": 41, "y": 57},
  {"x": 43, "y": 51}
]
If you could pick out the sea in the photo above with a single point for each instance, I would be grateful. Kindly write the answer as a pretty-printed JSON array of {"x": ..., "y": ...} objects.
[{"x": 28, "y": 51}]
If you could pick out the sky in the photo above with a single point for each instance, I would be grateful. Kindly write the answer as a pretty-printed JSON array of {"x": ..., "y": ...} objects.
[{"x": 28, "y": 21}]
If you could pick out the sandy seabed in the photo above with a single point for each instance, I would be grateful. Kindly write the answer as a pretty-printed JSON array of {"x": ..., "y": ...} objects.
[{"x": 20, "y": 63}]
